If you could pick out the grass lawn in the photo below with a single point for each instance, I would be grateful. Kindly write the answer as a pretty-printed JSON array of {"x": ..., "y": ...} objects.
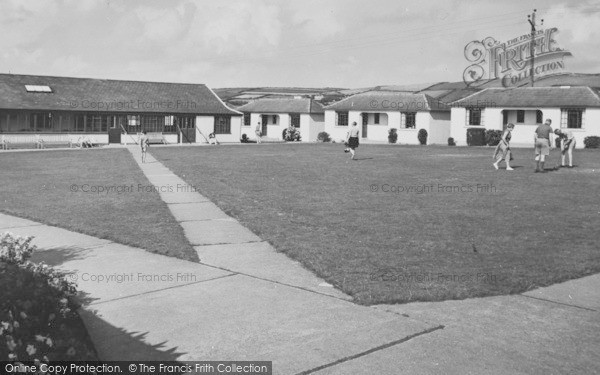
[
  {"x": 454, "y": 228},
  {"x": 38, "y": 186}
]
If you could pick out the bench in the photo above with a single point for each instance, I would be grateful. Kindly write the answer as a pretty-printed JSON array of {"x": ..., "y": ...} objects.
[{"x": 154, "y": 138}]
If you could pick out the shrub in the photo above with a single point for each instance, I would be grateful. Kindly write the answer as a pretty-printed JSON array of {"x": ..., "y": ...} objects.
[
  {"x": 245, "y": 138},
  {"x": 392, "y": 135},
  {"x": 422, "y": 136},
  {"x": 451, "y": 142},
  {"x": 291, "y": 134},
  {"x": 38, "y": 319},
  {"x": 592, "y": 142},
  {"x": 476, "y": 137},
  {"x": 323, "y": 137},
  {"x": 493, "y": 137}
]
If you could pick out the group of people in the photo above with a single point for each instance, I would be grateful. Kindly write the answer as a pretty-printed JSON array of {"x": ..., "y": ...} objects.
[{"x": 543, "y": 145}]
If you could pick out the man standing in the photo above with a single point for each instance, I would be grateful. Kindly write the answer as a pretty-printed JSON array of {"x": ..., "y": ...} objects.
[
  {"x": 567, "y": 144},
  {"x": 543, "y": 144},
  {"x": 258, "y": 133}
]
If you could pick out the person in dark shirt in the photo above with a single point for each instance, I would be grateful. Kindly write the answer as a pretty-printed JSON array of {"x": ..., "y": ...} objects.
[{"x": 543, "y": 144}]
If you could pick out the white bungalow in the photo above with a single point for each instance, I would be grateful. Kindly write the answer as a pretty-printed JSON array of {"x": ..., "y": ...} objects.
[
  {"x": 376, "y": 112},
  {"x": 276, "y": 115},
  {"x": 573, "y": 108}
]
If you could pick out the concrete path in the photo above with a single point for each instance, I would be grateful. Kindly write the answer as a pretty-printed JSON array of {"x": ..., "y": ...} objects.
[
  {"x": 245, "y": 301},
  {"x": 144, "y": 306}
]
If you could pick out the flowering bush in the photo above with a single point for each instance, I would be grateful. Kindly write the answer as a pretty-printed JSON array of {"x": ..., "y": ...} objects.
[
  {"x": 392, "y": 135},
  {"x": 291, "y": 134},
  {"x": 323, "y": 137},
  {"x": 38, "y": 318}
]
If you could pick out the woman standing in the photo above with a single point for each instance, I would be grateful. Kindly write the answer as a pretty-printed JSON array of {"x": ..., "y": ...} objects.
[
  {"x": 543, "y": 144},
  {"x": 352, "y": 140},
  {"x": 144, "y": 145},
  {"x": 258, "y": 132},
  {"x": 504, "y": 147}
]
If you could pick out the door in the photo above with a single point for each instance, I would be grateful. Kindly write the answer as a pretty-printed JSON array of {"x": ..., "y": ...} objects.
[
  {"x": 114, "y": 131},
  {"x": 504, "y": 119},
  {"x": 188, "y": 129},
  {"x": 365, "y": 124},
  {"x": 264, "y": 119}
]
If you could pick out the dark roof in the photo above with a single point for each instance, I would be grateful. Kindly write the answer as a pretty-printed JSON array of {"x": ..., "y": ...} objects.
[
  {"x": 536, "y": 97},
  {"x": 389, "y": 101},
  {"x": 86, "y": 94},
  {"x": 283, "y": 105}
]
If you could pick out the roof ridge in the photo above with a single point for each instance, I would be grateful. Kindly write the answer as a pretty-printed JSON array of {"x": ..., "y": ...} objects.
[
  {"x": 100, "y": 79},
  {"x": 475, "y": 93},
  {"x": 595, "y": 94}
]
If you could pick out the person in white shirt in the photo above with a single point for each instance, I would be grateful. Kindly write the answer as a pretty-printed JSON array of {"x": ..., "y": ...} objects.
[{"x": 567, "y": 145}]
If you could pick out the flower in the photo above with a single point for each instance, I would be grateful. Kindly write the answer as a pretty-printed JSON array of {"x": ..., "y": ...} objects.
[
  {"x": 71, "y": 352},
  {"x": 16, "y": 324},
  {"x": 12, "y": 356},
  {"x": 49, "y": 341},
  {"x": 11, "y": 345},
  {"x": 31, "y": 350},
  {"x": 23, "y": 315},
  {"x": 39, "y": 338}
]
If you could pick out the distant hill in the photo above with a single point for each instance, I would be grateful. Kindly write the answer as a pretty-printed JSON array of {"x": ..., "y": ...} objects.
[{"x": 446, "y": 92}]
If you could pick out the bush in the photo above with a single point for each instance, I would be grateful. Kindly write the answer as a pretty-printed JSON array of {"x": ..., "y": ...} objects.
[
  {"x": 422, "y": 136},
  {"x": 392, "y": 135},
  {"x": 451, "y": 142},
  {"x": 38, "y": 318},
  {"x": 323, "y": 137},
  {"x": 245, "y": 138},
  {"x": 476, "y": 137},
  {"x": 493, "y": 137},
  {"x": 592, "y": 142},
  {"x": 291, "y": 134}
]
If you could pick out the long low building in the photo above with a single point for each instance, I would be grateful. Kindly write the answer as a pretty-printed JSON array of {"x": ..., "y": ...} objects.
[
  {"x": 58, "y": 109},
  {"x": 376, "y": 112},
  {"x": 574, "y": 108}
]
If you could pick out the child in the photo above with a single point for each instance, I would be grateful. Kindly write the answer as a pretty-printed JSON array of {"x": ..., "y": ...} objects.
[
  {"x": 504, "y": 147},
  {"x": 212, "y": 140}
]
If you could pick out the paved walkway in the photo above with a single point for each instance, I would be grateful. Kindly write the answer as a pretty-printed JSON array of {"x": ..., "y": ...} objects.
[{"x": 245, "y": 301}]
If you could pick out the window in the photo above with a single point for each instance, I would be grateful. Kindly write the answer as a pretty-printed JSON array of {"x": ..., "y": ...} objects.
[
  {"x": 408, "y": 120},
  {"x": 295, "y": 120},
  {"x": 133, "y": 120},
  {"x": 572, "y": 118},
  {"x": 40, "y": 122},
  {"x": 185, "y": 122},
  {"x": 376, "y": 118},
  {"x": 246, "y": 119},
  {"x": 169, "y": 120},
  {"x": 520, "y": 116},
  {"x": 38, "y": 88},
  {"x": 96, "y": 124},
  {"x": 474, "y": 116},
  {"x": 342, "y": 118},
  {"x": 274, "y": 118},
  {"x": 222, "y": 125},
  {"x": 539, "y": 117},
  {"x": 152, "y": 124}
]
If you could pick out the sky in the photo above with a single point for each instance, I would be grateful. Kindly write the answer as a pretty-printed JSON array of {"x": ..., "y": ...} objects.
[{"x": 248, "y": 43}]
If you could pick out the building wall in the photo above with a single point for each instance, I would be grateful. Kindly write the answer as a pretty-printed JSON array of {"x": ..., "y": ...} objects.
[
  {"x": 311, "y": 125},
  {"x": 439, "y": 128}
]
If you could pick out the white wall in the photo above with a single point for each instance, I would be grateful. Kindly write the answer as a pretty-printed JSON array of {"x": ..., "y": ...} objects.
[
  {"x": 205, "y": 125},
  {"x": 439, "y": 128},
  {"x": 311, "y": 125}
]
